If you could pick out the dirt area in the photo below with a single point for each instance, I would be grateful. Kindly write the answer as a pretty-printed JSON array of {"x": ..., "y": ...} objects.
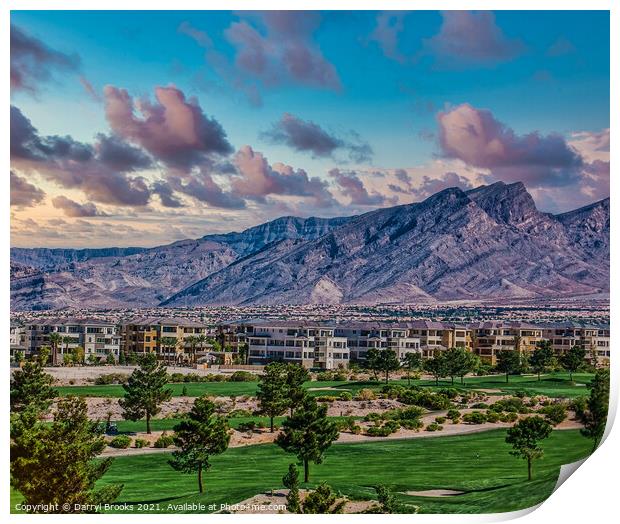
[
  {"x": 275, "y": 502},
  {"x": 434, "y": 493}
]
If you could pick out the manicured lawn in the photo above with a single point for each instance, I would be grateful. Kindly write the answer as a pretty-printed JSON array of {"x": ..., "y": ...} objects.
[
  {"x": 166, "y": 424},
  {"x": 553, "y": 385},
  {"x": 478, "y": 464}
]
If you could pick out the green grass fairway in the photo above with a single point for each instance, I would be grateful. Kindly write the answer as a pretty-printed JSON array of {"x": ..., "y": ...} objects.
[
  {"x": 478, "y": 464},
  {"x": 553, "y": 385}
]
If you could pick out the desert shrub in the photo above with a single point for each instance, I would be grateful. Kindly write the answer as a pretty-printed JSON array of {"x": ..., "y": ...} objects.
[
  {"x": 240, "y": 413},
  {"x": 325, "y": 398},
  {"x": 192, "y": 377},
  {"x": 164, "y": 441},
  {"x": 425, "y": 398},
  {"x": 414, "y": 423},
  {"x": 510, "y": 405},
  {"x": 509, "y": 417},
  {"x": 391, "y": 426},
  {"x": 345, "y": 395},
  {"x": 555, "y": 413},
  {"x": 493, "y": 416},
  {"x": 243, "y": 376},
  {"x": 111, "y": 378},
  {"x": 373, "y": 417},
  {"x": 475, "y": 417},
  {"x": 440, "y": 420},
  {"x": 120, "y": 442},
  {"x": 451, "y": 393},
  {"x": 453, "y": 414},
  {"x": 392, "y": 391},
  {"x": 140, "y": 443},
  {"x": 324, "y": 376},
  {"x": 176, "y": 377},
  {"x": 480, "y": 405},
  {"x": 520, "y": 393},
  {"x": 578, "y": 405},
  {"x": 433, "y": 426},
  {"x": 365, "y": 394},
  {"x": 341, "y": 376},
  {"x": 250, "y": 425}
]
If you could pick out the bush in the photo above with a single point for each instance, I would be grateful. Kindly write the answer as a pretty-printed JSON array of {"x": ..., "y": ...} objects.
[
  {"x": 140, "y": 443},
  {"x": 510, "y": 405},
  {"x": 345, "y": 395},
  {"x": 386, "y": 429},
  {"x": 111, "y": 378},
  {"x": 475, "y": 417},
  {"x": 451, "y": 393},
  {"x": 240, "y": 413},
  {"x": 325, "y": 398},
  {"x": 433, "y": 426},
  {"x": 243, "y": 376},
  {"x": 120, "y": 442},
  {"x": 578, "y": 405},
  {"x": 440, "y": 420},
  {"x": 392, "y": 391},
  {"x": 176, "y": 377},
  {"x": 509, "y": 417},
  {"x": 324, "y": 376},
  {"x": 373, "y": 417},
  {"x": 164, "y": 441},
  {"x": 365, "y": 394},
  {"x": 426, "y": 399},
  {"x": 414, "y": 423},
  {"x": 555, "y": 413},
  {"x": 453, "y": 414},
  {"x": 520, "y": 393},
  {"x": 341, "y": 376},
  {"x": 493, "y": 416},
  {"x": 480, "y": 405},
  {"x": 192, "y": 377},
  {"x": 250, "y": 425}
]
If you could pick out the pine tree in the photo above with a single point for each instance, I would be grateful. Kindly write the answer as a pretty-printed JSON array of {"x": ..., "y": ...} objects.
[
  {"x": 32, "y": 388},
  {"x": 272, "y": 391},
  {"x": 524, "y": 437},
  {"x": 308, "y": 433},
  {"x": 594, "y": 418},
  {"x": 53, "y": 464},
  {"x": 202, "y": 434},
  {"x": 291, "y": 481},
  {"x": 296, "y": 375},
  {"x": 145, "y": 390},
  {"x": 323, "y": 500}
]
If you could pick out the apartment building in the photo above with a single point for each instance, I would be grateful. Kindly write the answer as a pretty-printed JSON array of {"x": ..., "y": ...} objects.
[
  {"x": 439, "y": 336},
  {"x": 98, "y": 338},
  {"x": 490, "y": 338},
  {"x": 565, "y": 335},
  {"x": 18, "y": 340},
  {"x": 168, "y": 338},
  {"x": 366, "y": 335}
]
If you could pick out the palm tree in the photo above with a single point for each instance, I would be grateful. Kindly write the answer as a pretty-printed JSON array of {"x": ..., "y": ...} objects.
[
  {"x": 66, "y": 341},
  {"x": 192, "y": 340},
  {"x": 55, "y": 340},
  {"x": 166, "y": 344}
]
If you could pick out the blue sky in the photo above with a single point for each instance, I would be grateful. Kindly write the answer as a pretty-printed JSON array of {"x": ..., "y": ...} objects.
[{"x": 542, "y": 73}]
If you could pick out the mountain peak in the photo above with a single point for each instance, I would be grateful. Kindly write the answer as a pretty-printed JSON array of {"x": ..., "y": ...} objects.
[{"x": 507, "y": 203}]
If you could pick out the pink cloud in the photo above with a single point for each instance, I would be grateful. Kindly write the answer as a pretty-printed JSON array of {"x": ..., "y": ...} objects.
[
  {"x": 23, "y": 193},
  {"x": 467, "y": 37},
  {"x": 352, "y": 187},
  {"x": 477, "y": 138},
  {"x": 173, "y": 129},
  {"x": 74, "y": 209},
  {"x": 257, "y": 179}
]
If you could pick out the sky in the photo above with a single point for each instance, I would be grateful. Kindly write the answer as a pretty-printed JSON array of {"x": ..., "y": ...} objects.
[{"x": 142, "y": 128}]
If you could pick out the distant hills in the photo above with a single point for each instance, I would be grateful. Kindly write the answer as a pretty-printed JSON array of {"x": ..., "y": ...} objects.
[{"x": 490, "y": 243}]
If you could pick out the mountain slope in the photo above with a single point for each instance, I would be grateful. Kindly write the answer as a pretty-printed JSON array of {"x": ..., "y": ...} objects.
[
  {"x": 133, "y": 277},
  {"x": 490, "y": 243}
]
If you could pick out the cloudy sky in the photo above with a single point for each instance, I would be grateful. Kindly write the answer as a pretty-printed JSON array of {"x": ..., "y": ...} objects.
[{"x": 141, "y": 128}]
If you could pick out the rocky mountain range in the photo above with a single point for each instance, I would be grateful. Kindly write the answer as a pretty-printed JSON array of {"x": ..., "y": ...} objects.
[{"x": 490, "y": 243}]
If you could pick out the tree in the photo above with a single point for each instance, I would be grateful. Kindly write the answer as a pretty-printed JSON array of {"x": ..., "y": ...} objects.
[
  {"x": 244, "y": 352},
  {"x": 572, "y": 360},
  {"x": 436, "y": 366},
  {"x": 77, "y": 355},
  {"x": 373, "y": 362},
  {"x": 192, "y": 341},
  {"x": 167, "y": 344},
  {"x": 542, "y": 357},
  {"x": 272, "y": 391},
  {"x": 31, "y": 388},
  {"x": 53, "y": 464},
  {"x": 388, "y": 361},
  {"x": 92, "y": 359},
  {"x": 66, "y": 341},
  {"x": 199, "y": 436},
  {"x": 323, "y": 500},
  {"x": 594, "y": 417},
  {"x": 459, "y": 362},
  {"x": 145, "y": 390},
  {"x": 509, "y": 362},
  {"x": 413, "y": 362},
  {"x": 388, "y": 501},
  {"x": 308, "y": 433},
  {"x": 296, "y": 375},
  {"x": 55, "y": 340},
  {"x": 291, "y": 482},
  {"x": 67, "y": 359},
  {"x": 122, "y": 360},
  {"x": 109, "y": 359},
  {"x": 524, "y": 437}
]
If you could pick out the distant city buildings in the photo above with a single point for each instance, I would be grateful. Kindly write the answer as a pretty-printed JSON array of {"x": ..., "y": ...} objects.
[{"x": 313, "y": 344}]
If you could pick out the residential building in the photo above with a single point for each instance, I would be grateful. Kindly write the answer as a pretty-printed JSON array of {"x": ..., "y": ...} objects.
[{"x": 593, "y": 338}]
